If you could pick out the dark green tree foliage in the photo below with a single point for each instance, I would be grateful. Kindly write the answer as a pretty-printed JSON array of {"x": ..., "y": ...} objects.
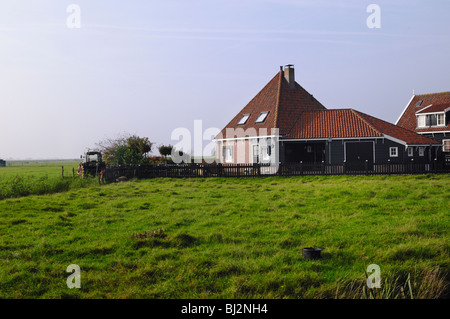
[
  {"x": 165, "y": 150},
  {"x": 128, "y": 149}
]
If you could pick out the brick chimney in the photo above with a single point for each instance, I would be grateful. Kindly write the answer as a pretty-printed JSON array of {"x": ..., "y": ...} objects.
[{"x": 289, "y": 75}]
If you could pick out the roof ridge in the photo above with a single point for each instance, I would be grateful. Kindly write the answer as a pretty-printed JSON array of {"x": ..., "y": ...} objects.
[
  {"x": 445, "y": 92},
  {"x": 357, "y": 113}
]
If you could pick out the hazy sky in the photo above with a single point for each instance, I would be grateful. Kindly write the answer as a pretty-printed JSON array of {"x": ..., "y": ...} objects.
[{"x": 148, "y": 67}]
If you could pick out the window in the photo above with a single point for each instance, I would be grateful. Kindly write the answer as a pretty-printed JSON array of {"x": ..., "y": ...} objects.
[
  {"x": 228, "y": 153},
  {"x": 421, "y": 121},
  {"x": 440, "y": 119},
  {"x": 393, "y": 151},
  {"x": 419, "y": 103},
  {"x": 410, "y": 151},
  {"x": 421, "y": 151},
  {"x": 244, "y": 119},
  {"x": 265, "y": 152},
  {"x": 256, "y": 153},
  {"x": 262, "y": 117},
  {"x": 431, "y": 120},
  {"x": 446, "y": 146}
]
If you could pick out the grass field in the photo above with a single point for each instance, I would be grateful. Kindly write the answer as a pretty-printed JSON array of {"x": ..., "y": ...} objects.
[
  {"x": 39, "y": 177},
  {"x": 230, "y": 238}
]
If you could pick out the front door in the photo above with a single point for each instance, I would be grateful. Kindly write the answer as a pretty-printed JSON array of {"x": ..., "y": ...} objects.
[{"x": 357, "y": 153}]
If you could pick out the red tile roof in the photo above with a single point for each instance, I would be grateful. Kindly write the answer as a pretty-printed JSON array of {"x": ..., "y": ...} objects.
[
  {"x": 434, "y": 108},
  {"x": 298, "y": 115},
  {"x": 284, "y": 105},
  {"x": 408, "y": 118},
  {"x": 386, "y": 128},
  {"x": 348, "y": 123}
]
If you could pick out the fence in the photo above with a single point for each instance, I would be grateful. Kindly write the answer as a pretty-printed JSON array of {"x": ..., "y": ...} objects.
[{"x": 261, "y": 170}]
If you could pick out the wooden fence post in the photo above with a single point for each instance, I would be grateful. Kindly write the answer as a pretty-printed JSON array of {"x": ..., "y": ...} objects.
[{"x": 62, "y": 171}]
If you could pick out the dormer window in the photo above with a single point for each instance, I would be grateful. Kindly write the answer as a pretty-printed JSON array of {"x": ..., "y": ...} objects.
[
  {"x": 262, "y": 117},
  {"x": 430, "y": 120},
  {"x": 244, "y": 119}
]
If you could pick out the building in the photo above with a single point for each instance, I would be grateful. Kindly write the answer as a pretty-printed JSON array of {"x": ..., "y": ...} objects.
[
  {"x": 429, "y": 115},
  {"x": 2, "y": 163},
  {"x": 284, "y": 117}
]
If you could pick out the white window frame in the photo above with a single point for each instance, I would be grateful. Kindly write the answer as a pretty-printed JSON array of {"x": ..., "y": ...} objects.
[
  {"x": 410, "y": 151},
  {"x": 395, "y": 149},
  {"x": 421, "y": 151},
  {"x": 442, "y": 117},
  {"x": 255, "y": 153},
  {"x": 262, "y": 117},
  {"x": 443, "y": 145},
  {"x": 244, "y": 119},
  {"x": 228, "y": 153},
  {"x": 421, "y": 121}
]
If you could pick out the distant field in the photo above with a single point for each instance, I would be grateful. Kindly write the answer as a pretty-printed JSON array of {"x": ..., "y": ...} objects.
[
  {"x": 229, "y": 238},
  {"x": 38, "y": 168}
]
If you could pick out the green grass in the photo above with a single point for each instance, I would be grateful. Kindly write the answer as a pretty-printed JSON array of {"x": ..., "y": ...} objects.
[
  {"x": 39, "y": 168},
  {"x": 229, "y": 238},
  {"x": 38, "y": 178}
]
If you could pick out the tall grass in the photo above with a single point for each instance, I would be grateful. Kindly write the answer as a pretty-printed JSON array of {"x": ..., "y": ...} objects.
[
  {"x": 423, "y": 284},
  {"x": 19, "y": 186}
]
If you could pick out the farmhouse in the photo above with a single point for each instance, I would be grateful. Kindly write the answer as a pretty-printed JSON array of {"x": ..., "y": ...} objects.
[
  {"x": 429, "y": 115},
  {"x": 284, "y": 117}
]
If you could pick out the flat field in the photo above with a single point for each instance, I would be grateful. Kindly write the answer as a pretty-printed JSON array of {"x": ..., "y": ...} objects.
[
  {"x": 36, "y": 168},
  {"x": 230, "y": 238},
  {"x": 38, "y": 177}
]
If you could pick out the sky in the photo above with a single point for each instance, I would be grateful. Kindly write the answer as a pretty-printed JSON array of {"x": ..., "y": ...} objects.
[{"x": 68, "y": 81}]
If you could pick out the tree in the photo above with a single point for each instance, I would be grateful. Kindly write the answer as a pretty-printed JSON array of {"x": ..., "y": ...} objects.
[
  {"x": 165, "y": 150},
  {"x": 125, "y": 149}
]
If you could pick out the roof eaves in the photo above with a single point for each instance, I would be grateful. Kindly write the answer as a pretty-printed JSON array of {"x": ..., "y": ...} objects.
[{"x": 395, "y": 139}]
